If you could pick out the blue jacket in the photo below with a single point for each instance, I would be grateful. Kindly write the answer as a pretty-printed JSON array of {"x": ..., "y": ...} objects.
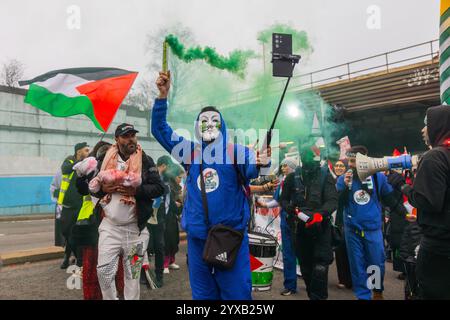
[
  {"x": 227, "y": 203},
  {"x": 360, "y": 212}
]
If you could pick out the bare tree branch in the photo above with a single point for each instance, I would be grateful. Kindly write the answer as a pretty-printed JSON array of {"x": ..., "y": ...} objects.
[
  {"x": 12, "y": 72},
  {"x": 181, "y": 72}
]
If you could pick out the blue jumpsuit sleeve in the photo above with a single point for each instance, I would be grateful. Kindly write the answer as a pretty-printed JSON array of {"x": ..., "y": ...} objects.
[
  {"x": 165, "y": 135},
  {"x": 276, "y": 195},
  {"x": 248, "y": 168},
  {"x": 340, "y": 185},
  {"x": 385, "y": 187}
]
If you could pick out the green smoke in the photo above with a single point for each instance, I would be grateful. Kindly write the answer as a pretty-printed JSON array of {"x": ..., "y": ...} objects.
[
  {"x": 268, "y": 88},
  {"x": 253, "y": 107},
  {"x": 236, "y": 63},
  {"x": 204, "y": 86},
  {"x": 300, "y": 40}
]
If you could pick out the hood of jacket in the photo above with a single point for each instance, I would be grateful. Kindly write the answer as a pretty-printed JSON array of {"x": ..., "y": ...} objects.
[{"x": 438, "y": 125}]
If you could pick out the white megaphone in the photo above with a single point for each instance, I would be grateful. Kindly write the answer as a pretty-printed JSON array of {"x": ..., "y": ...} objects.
[{"x": 367, "y": 166}]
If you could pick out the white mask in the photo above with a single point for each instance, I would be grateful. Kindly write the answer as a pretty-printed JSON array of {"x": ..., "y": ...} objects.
[{"x": 209, "y": 125}]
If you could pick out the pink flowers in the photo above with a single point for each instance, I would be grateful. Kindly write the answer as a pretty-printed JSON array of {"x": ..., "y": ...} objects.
[
  {"x": 85, "y": 167},
  {"x": 115, "y": 177}
]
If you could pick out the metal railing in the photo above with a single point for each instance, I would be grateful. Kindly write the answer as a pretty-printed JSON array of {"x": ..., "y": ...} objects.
[
  {"x": 428, "y": 52},
  {"x": 384, "y": 62}
]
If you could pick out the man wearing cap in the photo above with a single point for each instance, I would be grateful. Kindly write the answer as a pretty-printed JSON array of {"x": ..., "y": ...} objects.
[
  {"x": 69, "y": 199},
  {"x": 126, "y": 206}
]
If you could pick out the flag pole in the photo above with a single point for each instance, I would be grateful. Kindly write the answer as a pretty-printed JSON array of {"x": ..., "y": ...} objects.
[
  {"x": 103, "y": 135},
  {"x": 444, "y": 45},
  {"x": 165, "y": 66}
]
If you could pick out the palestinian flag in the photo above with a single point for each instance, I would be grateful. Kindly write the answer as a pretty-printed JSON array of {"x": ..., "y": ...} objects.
[
  {"x": 444, "y": 48},
  {"x": 95, "y": 92}
]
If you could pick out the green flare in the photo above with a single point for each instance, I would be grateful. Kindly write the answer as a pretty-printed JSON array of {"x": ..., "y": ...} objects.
[
  {"x": 300, "y": 40},
  {"x": 253, "y": 107},
  {"x": 236, "y": 63}
]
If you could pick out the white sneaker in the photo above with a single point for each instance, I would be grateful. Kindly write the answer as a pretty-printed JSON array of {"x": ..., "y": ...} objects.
[
  {"x": 166, "y": 270},
  {"x": 79, "y": 272},
  {"x": 174, "y": 266}
]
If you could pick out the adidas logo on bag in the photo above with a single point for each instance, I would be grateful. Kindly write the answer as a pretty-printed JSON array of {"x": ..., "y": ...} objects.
[{"x": 222, "y": 257}]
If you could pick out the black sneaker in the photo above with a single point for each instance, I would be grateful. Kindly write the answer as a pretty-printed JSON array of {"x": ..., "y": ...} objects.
[
  {"x": 65, "y": 264},
  {"x": 150, "y": 279},
  {"x": 287, "y": 292},
  {"x": 143, "y": 278},
  {"x": 159, "y": 281}
]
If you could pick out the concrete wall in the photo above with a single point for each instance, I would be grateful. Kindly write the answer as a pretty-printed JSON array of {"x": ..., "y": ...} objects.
[{"x": 33, "y": 145}]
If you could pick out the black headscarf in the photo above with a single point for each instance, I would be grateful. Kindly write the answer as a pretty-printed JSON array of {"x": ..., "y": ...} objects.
[{"x": 438, "y": 125}]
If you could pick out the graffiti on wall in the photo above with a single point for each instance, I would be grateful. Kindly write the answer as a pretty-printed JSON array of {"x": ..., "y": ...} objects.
[{"x": 422, "y": 76}]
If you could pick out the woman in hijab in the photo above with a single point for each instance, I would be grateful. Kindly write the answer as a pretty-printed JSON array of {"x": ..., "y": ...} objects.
[{"x": 343, "y": 269}]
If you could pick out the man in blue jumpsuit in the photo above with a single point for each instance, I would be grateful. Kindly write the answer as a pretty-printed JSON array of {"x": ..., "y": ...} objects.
[
  {"x": 363, "y": 226},
  {"x": 227, "y": 202}
]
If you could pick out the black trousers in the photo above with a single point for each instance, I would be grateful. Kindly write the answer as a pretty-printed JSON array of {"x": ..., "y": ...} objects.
[
  {"x": 411, "y": 285},
  {"x": 156, "y": 246},
  {"x": 59, "y": 238},
  {"x": 433, "y": 275},
  {"x": 67, "y": 222},
  {"x": 315, "y": 254},
  {"x": 343, "y": 266},
  {"x": 397, "y": 262}
]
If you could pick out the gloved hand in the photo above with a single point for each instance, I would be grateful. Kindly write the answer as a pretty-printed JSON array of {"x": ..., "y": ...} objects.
[
  {"x": 396, "y": 180},
  {"x": 290, "y": 210},
  {"x": 313, "y": 221},
  {"x": 405, "y": 189},
  {"x": 291, "y": 217},
  {"x": 316, "y": 220}
]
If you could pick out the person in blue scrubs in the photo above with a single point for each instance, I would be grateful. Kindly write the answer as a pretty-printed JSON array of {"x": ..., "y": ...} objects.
[
  {"x": 227, "y": 202},
  {"x": 363, "y": 227}
]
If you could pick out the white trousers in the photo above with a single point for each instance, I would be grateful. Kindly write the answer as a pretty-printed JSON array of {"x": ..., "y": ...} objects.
[{"x": 113, "y": 241}]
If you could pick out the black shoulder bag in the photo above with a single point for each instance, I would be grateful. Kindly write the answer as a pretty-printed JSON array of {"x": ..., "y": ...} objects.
[{"x": 223, "y": 243}]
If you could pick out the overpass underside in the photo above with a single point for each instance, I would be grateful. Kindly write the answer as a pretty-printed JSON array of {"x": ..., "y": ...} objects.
[{"x": 385, "y": 110}]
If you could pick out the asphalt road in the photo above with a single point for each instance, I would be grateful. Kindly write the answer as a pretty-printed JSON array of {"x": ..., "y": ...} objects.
[
  {"x": 28, "y": 234},
  {"x": 44, "y": 280}
]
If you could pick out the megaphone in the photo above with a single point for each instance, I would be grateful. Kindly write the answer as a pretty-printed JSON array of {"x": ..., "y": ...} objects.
[{"x": 367, "y": 166}]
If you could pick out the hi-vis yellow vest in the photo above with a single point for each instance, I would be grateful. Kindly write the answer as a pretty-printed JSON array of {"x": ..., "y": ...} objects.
[
  {"x": 87, "y": 209},
  {"x": 65, "y": 182}
]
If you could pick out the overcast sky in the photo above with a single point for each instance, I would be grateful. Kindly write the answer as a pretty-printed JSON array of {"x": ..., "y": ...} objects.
[{"x": 112, "y": 32}]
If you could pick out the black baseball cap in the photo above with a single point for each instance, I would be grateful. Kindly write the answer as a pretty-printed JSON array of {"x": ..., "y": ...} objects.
[
  {"x": 125, "y": 128},
  {"x": 357, "y": 149},
  {"x": 80, "y": 146}
]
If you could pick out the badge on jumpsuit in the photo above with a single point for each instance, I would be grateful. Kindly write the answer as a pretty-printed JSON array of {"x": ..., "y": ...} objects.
[
  {"x": 361, "y": 197},
  {"x": 211, "y": 178}
]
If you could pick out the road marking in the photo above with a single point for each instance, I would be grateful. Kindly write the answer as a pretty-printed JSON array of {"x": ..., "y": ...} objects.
[{"x": 1, "y": 234}]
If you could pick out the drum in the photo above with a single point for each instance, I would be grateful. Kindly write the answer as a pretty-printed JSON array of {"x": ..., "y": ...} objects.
[{"x": 263, "y": 248}]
